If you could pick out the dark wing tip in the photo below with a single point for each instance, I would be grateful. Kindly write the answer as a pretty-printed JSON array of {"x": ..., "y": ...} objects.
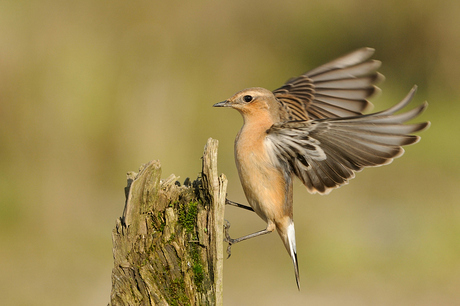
[
  {"x": 379, "y": 78},
  {"x": 423, "y": 126},
  {"x": 427, "y": 125}
]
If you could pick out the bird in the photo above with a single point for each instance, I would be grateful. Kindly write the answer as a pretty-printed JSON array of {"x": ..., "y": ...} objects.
[{"x": 313, "y": 128}]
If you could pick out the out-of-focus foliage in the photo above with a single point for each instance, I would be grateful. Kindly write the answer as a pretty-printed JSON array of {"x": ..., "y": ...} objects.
[{"x": 92, "y": 89}]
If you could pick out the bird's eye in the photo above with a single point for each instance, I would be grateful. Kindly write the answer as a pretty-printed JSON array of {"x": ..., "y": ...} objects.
[{"x": 247, "y": 98}]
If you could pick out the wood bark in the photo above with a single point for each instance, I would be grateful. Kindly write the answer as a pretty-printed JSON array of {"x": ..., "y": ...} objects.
[{"x": 168, "y": 245}]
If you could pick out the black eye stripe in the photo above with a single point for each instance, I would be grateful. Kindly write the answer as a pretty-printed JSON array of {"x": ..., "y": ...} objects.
[{"x": 247, "y": 98}]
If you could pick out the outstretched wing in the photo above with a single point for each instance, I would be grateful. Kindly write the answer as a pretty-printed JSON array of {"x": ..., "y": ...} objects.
[
  {"x": 326, "y": 153},
  {"x": 337, "y": 89}
]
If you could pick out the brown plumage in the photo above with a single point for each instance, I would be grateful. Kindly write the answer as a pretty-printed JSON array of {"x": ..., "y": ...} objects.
[
  {"x": 339, "y": 88},
  {"x": 313, "y": 128}
]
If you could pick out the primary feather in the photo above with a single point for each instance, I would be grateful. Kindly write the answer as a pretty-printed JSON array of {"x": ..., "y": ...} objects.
[
  {"x": 325, "y": 153},
  {"x": 339, "y": 88}
]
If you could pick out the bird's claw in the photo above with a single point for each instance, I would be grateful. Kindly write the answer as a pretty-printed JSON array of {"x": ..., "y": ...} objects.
[{"x": 227, "y": 239}]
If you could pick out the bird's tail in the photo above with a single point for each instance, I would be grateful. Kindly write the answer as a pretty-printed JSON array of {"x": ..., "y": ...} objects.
[{"x": 288, "y": 237}]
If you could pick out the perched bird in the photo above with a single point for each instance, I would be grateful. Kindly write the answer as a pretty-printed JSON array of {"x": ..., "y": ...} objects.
[{"x": 313, "y": 128}]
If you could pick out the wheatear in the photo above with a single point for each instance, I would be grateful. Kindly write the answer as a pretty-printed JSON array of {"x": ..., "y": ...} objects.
[{"x": 313, "y": 127}]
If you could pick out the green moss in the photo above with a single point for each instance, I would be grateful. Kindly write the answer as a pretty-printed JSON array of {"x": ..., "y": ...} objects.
[
  {"x": 197, "y": 266},
  {"x": 177, "y": 293},
  {"x": 199, "y": 274},
  {"x": 187, "y": 215}
]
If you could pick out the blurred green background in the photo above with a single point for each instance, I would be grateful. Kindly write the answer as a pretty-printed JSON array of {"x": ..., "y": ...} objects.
[{"x": 92, "y": 89}]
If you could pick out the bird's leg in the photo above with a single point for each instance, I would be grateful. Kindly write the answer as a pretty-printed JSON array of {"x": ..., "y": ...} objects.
[
  {"x": 228, "y": 202},
  {"x": 270, "y": 228}
]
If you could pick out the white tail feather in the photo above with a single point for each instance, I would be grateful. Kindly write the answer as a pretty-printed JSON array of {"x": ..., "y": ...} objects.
[{"x": 293, "y": 252}]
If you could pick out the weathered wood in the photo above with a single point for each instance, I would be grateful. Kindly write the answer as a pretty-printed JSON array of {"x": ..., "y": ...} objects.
[{"x": 168, "y": 245}]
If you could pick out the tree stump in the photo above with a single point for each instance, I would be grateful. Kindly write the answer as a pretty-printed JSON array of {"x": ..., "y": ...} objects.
[{"x": 168, "y": 245}]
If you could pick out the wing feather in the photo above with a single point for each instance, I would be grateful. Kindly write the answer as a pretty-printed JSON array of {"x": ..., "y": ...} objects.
[
  {"x": 326, "y": 153},
  {"x": 339, "y": 88}
]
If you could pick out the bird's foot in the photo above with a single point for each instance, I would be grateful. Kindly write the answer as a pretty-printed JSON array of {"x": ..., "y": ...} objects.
[{"x": 227, "y": 239}]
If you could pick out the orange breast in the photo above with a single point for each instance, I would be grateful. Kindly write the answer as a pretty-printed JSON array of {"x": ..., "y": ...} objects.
[{"x": 263, "y": 184}]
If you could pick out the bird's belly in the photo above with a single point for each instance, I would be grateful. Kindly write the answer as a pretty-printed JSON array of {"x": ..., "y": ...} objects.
[{"x": 263, "y": 184}]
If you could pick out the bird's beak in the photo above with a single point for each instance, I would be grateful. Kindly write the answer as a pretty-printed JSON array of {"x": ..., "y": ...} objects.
[{"x": 222, "y": 104}]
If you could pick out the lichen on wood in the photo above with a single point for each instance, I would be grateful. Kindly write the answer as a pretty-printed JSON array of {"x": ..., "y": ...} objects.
[{"x": 168, "y": 245}]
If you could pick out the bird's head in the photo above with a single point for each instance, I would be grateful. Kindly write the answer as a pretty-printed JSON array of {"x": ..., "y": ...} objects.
[{"x": 255, "y": 101}]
